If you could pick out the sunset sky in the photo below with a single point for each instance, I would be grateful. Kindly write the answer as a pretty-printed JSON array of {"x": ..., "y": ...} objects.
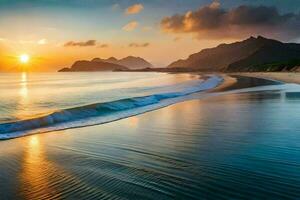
[{"x": 55, "y": 33}]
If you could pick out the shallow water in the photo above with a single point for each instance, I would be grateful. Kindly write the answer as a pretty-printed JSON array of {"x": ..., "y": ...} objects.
[
  {"x": 27, "y": 95},
  {"x": 234, "y": 146},
  {"x": 52, "y": 102}
]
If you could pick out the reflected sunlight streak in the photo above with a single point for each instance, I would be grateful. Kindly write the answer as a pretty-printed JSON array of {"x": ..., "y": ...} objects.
[
  {"x": 23, "y": 84},
  {"x": 34, "y": 172},
  {"x": 134, "y": 122}
]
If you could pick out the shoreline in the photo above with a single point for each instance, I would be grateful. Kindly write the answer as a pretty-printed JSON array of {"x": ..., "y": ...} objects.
[
  {"x": 233, "y": 81},
  {"x": 199, "y": 137},
  {"x": 287, "y": 77},
  {"x": 284, "y": 77},
  {"x": 229, "y": 82}
]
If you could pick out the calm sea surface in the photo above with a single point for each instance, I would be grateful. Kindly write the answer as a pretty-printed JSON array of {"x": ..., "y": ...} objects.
[{"x": 233, "y": 145}]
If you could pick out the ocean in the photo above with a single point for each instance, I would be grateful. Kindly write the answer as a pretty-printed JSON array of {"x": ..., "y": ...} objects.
[
  {"x": 42, "y": 102},
  {"x": 241, "y": 143}
]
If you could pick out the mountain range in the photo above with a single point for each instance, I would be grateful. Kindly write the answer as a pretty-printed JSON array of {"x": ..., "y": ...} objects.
[
  {"x": 130, "y": 62},
  {"x": 110, "y": 64},
  {"x": 252, "y": 54}
]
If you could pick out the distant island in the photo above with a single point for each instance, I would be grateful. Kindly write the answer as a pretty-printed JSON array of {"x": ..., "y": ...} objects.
[
  {"x": 131, "y": 62},
  {"x": 110, "y": 64},
  {"x": 255, "y": 54}
]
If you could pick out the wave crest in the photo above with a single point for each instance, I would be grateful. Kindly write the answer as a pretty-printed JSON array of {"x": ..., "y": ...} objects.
[{"x": 104, "y": 112}]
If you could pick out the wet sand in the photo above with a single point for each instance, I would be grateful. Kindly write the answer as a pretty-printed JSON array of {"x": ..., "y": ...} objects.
[
  {"x": 228, "y": 81},
  {"x": 233, "y": 82},
  {"x": 287, "y": 77}
]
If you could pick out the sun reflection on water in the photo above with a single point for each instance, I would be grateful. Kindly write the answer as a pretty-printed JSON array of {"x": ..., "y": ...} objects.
[
  {"x": 134, "y": 122},
  {"x": 34, "y": 141},
  {"x": 24, "y": 100},
  {"x": 34, "y": 175},
  {"x": 23, "y": 88}
]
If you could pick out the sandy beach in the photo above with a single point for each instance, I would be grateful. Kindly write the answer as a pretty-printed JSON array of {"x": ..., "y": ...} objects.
[
  {"x": 287, "y": 77},
  {"x": 239, "y": 81}
]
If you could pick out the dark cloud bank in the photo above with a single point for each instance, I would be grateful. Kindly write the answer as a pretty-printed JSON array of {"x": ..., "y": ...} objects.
[
  {"x": 214, "y": 22},
  {"x": 94, "y": 43},
  {"x": 80, "y": 44},
  {"x": 139, "y": 45}
]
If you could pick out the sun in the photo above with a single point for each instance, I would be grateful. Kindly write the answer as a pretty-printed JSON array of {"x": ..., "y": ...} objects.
[{"x": 24, "y": 58}]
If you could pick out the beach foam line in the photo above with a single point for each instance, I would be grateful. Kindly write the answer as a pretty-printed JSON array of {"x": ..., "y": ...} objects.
[{"x": 100, "y": 113}]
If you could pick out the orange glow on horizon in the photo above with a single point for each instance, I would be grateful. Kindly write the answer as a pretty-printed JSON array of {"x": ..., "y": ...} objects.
[{"x": 33, "y": 57}]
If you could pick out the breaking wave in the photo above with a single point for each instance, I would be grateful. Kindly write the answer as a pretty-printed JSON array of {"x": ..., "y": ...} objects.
[{"x": 100, "y": 112}]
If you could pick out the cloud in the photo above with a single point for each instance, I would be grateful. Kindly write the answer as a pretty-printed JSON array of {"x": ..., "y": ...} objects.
[
  {"x": 42, "y": 41},
  {"x": 215, "y": 5},
  {"x": 130, "y": 26},
  {"x": 103, "y": 46},
  {"x": 139, "y": 45},
  {"x": 80, "y": 44},
  {"x": 134, "y": 9},
  {"x": 212, "y": 21}
]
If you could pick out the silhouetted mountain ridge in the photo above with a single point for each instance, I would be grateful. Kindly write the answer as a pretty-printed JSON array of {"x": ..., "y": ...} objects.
[
  {"x": 85, "y": 65},
  {"x": 110, "y": 64},
  {"x": 252, "y": 54},
  {"x": 130, "y": 62}
]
